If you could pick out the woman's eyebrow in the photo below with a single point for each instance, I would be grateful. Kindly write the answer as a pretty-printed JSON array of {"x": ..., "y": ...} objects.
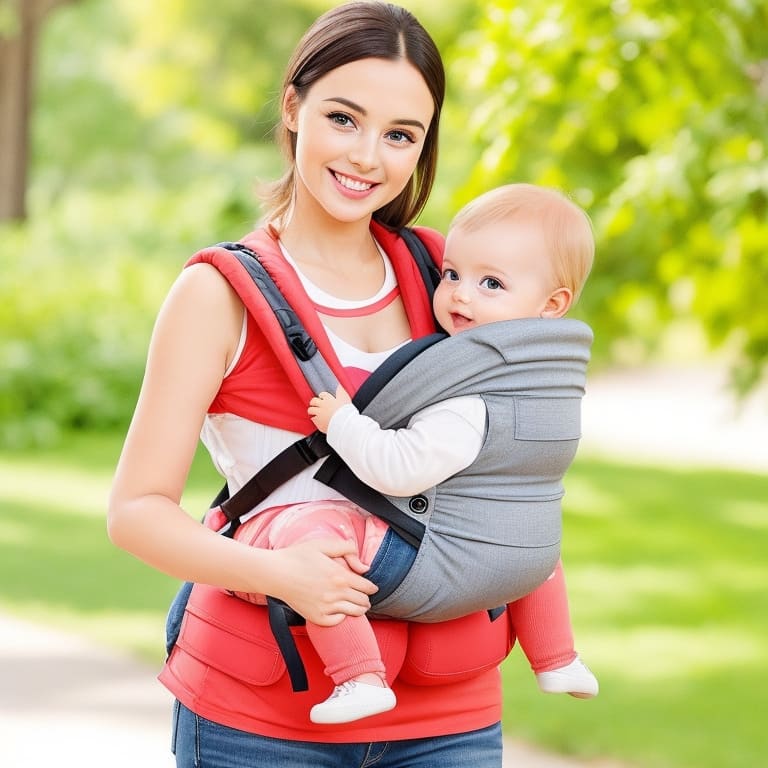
[{"x": 361, "y": 110}]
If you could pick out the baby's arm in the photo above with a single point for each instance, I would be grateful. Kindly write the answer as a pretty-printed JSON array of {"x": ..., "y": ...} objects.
[
  {"x": 323, "y": 406},
  {"x": 438, "y": 442}
]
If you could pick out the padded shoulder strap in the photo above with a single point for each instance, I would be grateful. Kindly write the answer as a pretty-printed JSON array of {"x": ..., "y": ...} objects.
[
  {"x": 313, "y": 366},
  {"x": 410, "y": 277},
  {"x": 430, "y": 274},
  {"x": 226, "y": 260}
]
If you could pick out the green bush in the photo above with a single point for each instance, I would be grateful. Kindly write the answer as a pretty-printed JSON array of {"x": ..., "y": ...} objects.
[{"x": 81, "y": 288}]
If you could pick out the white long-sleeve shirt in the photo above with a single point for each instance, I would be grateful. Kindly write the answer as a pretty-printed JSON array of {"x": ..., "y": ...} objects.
[{"x": 438, "y": 442}]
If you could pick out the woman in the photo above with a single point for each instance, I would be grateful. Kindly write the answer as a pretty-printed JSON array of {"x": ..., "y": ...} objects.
[{"x": 360, "y": 113}]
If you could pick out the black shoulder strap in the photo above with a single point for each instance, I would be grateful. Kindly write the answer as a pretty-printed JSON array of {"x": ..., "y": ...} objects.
[
  {"x": 313, "y": 366},
  {"x": 430, "y": 274},
  {"x": 337, "y": 475},
  {"x": 391, "y": 367},
  {"x": 288, "y": 463}
]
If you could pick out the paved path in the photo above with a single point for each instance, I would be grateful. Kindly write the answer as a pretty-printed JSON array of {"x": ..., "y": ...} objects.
[
  {"x": 676, "y": 416},
  {"x": 67, "y": 703}
]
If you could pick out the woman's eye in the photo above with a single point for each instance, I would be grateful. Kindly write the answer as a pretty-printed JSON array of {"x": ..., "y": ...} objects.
[
  {"x": 339, "y": 118},
  {"x": 401, "y": 137},
  {"x": 491, "y": 283}
]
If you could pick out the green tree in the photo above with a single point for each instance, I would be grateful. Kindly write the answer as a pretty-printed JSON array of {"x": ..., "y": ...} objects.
[
  {"x": 654, "y": 116},
  {"x": 20, "y": 25}
]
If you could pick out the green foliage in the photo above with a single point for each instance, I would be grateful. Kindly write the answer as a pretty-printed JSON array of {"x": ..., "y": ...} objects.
[
  {"x": 666, "y": 573},
  {"x": 9, "y": 20},
  {"x": 654, "y": 117},
  {"x": 114, "y": 215},
  {"x": 70, "y": 354},
  {"x": 152, "y": 127},
  {"x": 219, "y": 65}
]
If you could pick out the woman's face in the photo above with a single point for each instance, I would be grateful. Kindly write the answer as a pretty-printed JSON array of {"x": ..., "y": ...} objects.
[{"x": 360, "y": 131}]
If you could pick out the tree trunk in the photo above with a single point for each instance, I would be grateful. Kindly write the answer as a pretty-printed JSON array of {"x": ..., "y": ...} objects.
[{"x": 17, "y": 59}]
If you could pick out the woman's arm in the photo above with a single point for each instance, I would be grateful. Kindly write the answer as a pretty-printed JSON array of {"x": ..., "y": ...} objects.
[{"x": 194, "y": 338}]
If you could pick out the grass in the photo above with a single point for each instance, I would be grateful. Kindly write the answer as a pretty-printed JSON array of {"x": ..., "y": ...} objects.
[
  {"x": 666, "y": 571},
  {"x": 56, "y": 563},
  {"x": 667, "y": 577}
]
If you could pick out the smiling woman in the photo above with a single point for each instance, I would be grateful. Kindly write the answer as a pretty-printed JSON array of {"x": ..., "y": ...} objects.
[{"x": 361, "y": 103}]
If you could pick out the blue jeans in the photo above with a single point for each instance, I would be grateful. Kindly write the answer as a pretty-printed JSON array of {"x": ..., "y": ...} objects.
[
  {"x": 175, "y": 615},
  {"x": 390, "y": 565},
  {"x": 199, "y": 743}
]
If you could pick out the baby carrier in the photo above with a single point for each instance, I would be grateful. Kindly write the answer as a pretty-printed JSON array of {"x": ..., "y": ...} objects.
[{"x": 463, "y": 527}]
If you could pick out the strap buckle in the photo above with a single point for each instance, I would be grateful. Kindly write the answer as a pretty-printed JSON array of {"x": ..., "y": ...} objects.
[{"x": 312, "y": 448}]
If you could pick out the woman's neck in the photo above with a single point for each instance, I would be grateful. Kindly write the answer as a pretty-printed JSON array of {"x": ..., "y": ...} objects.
[{"x": 341, "y": 258}]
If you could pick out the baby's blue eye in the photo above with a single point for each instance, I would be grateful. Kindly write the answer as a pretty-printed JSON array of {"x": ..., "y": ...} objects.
[
  {"x": 450, "y": 275},
  {"x": 492, "y": 283}
]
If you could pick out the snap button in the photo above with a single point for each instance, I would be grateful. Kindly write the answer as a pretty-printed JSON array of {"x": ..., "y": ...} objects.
[{"x": 418, "y": 504}]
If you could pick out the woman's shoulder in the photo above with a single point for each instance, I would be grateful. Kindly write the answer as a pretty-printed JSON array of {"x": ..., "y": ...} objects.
[
  {"x": 205, "y": 286},
  {"x": 201, "y": 304}
]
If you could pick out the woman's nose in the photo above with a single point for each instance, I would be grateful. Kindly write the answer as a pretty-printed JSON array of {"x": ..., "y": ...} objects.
[{"x": 364, "y": 152}]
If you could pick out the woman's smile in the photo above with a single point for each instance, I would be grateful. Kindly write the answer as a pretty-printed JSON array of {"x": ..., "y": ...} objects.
[{"x": 352, "y": 185}]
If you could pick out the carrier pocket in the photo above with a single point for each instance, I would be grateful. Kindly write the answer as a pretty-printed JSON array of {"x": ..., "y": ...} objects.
[
  {"x": 455, "y": 650},
  {"x": 547, "y": 418},
  {"x": 232, "y": 636}
]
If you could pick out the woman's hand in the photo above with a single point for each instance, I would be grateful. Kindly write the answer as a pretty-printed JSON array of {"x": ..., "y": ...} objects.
[
  {"x": 323, "y": 406},
  {"x": 320, "y": 580}
]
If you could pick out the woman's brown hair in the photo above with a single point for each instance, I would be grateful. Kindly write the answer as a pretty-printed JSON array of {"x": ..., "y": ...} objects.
[{"x": 347, "y": 33}]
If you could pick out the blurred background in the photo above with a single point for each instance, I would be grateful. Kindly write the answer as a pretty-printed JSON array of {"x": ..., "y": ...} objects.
[{"x": 134, "y": 132}]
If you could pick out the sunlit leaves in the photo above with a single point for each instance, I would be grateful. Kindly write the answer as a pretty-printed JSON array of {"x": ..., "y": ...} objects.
[{"x": 655, "y": 117}]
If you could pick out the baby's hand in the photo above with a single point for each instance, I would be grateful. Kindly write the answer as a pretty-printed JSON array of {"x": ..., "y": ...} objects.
[{"x": 323, "y": 406}]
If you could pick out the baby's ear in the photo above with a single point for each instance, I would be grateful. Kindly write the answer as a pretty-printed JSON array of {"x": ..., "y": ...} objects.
[{"x": 558, "y": 303}]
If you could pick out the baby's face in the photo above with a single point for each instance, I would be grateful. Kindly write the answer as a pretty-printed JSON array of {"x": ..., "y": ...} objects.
[{"x": 501, "y": 271}]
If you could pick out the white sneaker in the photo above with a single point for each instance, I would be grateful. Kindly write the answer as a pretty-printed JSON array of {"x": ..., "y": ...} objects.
[
  {"x": 574, "y": 678},
  {"x": 351, "y": 701}
]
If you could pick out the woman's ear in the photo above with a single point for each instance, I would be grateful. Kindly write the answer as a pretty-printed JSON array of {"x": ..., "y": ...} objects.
[
  {"x": 558, "y": 303},
  {"x": 290, "y": 110}
]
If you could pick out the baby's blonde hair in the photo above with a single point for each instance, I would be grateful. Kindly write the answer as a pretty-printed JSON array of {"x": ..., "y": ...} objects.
[{"x": 565, "y": 226}]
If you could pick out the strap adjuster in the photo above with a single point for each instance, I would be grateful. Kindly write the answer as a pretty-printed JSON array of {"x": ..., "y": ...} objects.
[{"x": 312, "y": 448}]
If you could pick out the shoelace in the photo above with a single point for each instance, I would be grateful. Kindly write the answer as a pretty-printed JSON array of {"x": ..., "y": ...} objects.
[{"x": 343, "y": 689}]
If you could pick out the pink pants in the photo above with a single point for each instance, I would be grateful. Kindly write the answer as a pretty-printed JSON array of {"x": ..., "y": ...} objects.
[{"x": 541, "y": 619}]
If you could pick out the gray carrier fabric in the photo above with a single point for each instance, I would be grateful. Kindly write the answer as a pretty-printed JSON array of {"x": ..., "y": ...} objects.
[{"x": 493, "y": 530}]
